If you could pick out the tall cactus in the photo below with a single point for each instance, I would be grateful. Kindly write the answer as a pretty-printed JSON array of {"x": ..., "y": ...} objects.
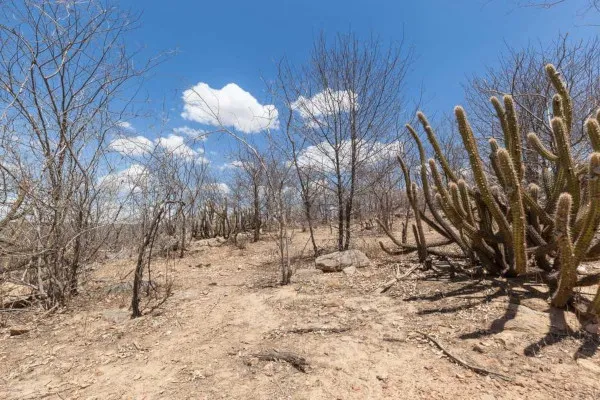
[{"x": 555, "y": 220}]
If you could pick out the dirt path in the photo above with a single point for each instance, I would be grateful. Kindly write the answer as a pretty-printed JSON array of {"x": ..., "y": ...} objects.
[{"x": 200, "y": 343}]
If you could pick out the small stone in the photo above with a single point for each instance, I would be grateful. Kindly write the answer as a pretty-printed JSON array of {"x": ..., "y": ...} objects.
[{"x": 478, "y": 348}]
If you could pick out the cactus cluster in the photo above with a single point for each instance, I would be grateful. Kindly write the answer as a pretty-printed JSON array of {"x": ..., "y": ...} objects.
[{"x": 506, "y": 225}]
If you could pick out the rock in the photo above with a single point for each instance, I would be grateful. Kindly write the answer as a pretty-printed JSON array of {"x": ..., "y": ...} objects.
[
  {"x": 336, "y": 262},
  {"x": 12, "y": 295},
  {"x": 349, "y": 270},
  {"x": 241, "y": 240},
  {"x": 212, "y": 242}
]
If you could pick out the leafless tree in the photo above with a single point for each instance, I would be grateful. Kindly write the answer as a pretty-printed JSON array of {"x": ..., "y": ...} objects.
[
  {"x": 62, "y": 65},
  {"x": 521, "y": 74},
  {"x": 348, "y": 97}
]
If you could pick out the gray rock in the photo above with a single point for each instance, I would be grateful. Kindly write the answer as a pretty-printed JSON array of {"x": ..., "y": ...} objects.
[
  {"x": 336, "y": 262},
  {"x": 349, "y": 270},
  {"x": 213, "y": 242}
]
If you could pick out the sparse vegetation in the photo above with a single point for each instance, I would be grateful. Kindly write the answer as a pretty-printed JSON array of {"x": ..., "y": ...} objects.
[{"x": 330, "y": 244}]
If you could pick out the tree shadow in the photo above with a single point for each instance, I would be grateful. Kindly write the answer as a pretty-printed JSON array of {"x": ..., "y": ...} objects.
[{"x": 559, "y": 328}]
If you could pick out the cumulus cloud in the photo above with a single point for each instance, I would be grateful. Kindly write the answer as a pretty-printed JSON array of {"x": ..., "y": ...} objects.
[
  {"x": 132, "y": 146},
  {"x": 135, "y": 177},
  {"x": 198, "y": 134},
  {"x": 125, "y": 125},
  {"x": 218, "y": 187},
  {"x": 230, "y": 106},
  {"x": 232, "y": 165},
  {"x": 322, "y": 156},
  {"x": 141, "y": 145},
  {"x": 176, "y": 145},
  {"x": 324, "y": 103}
]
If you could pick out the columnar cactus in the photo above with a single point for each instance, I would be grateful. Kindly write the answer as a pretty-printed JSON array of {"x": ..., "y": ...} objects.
[{"x": 553, "y": 221}]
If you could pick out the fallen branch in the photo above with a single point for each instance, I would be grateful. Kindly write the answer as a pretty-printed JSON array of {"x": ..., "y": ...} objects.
[
  {"x": 297, "y": 362},
  {"x": 462, "y": 363},
  {"x": 320, "y": 329},
  {"x": 388, "y": 285}
]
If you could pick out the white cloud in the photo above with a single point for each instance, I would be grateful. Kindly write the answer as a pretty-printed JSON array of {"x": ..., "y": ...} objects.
[
  {"x": 230, "y": 106},
  {"x": 176, "y": 145},
  {"x": 125, "y": 125},
  {"x": 132, "y": 146},
  {"x": 141, "y": 145},
  {"x": 202, "y": 160},
  {"x": 218, "y": 187},
  {"x": 324, "y": 103},
  {"x": 130, "y": 179},
  {"x": 198, "y": 134},
  {"x": 232, "y": 165},
  {"x": 322, "y": 156}
]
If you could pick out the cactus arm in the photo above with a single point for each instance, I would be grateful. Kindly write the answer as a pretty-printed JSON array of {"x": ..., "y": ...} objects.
[
  {"x": 431, "y": 136},
  {"x": 494, "y": 161},
  {"x": 566, "y": 160},
  {"x": 501, "y": 113},
  {"x": 517, "y": 210},
  {"x": 437, "y": 179},
  {"x": 535, "y": 142},
  {"x": 590, "y": 217},
  {"x": 466, "y": 201},
  {"x": 516, "y": 152},
  {"x": 568, "y": 269},
  {"x": 478, "y": 171},
  {"x": 561, "y": 88},
  {"x": 427, "y": 193},
  {"x": 456, "y": 200},
  {"x": 593, "y": 130},
  {"x": 558, "y": 186}
]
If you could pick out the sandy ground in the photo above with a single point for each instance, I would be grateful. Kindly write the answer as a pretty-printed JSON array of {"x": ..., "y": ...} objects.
[{"x": 226, "y": 307}]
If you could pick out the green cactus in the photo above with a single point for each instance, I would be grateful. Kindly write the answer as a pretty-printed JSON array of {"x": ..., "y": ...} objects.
[
  {"x": 516, "y": 151},
  {"x": 591, "y": 216},
  {"x": 593, "y": 129},
  {"x": 568, "y": 269},
  {"x": 565, "y": 106},
  {"x": 436, "y": 147},
  {"x": 535, "y": 142},
  {"x": 513, "y": 189},
  {"x": 498, "y": 218},
  {"x": 478, "y": 170},
  {"x": 565, "y": 159}
]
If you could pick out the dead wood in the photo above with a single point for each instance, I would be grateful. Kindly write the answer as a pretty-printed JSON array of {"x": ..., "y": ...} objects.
[
  {"x": 461, "y": 362},
  {"x": 296, "y": 361},
  {"x": 320, "y": 329},
  {"x": 388, "y": 285}
]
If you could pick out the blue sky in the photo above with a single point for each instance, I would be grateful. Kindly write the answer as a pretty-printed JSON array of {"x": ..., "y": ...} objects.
[{"x": 221, "y": 42}]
